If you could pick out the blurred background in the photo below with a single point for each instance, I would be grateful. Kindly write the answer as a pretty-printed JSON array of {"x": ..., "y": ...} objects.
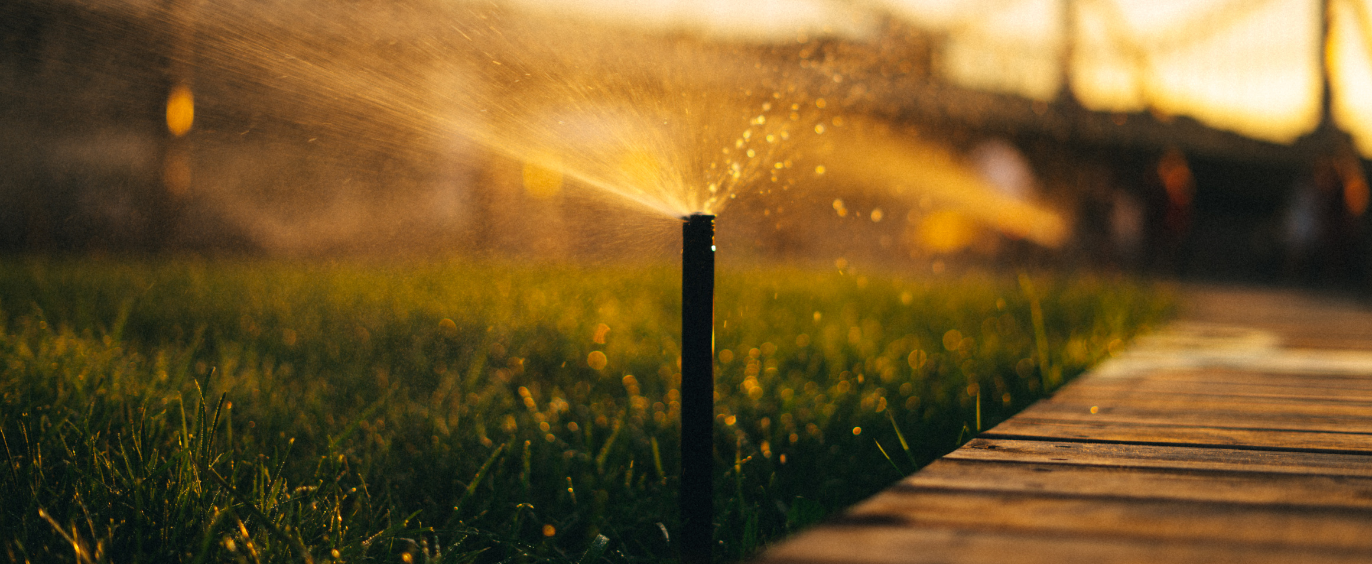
[{"x": 1206, "y": 140}]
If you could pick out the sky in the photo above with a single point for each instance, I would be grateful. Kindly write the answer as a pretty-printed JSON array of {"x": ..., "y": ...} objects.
[{"x": 1250, "y": 66}]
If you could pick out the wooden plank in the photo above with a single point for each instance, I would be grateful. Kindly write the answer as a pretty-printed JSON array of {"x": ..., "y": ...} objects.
[
  {"x": 1165, "y": 457},
  {"x": 896, "y": 544},
  {"x": 1203, "y": 382},
  {"x": 1301, "y": 319},
  {"x": 1247, "y": 487},
  {"x": 1120, "y": 518},
  {"x": 1350, "y": 338},
  {"x": 1181, "y": 402},
  {"x": 1179, "y": 415},
  {"x": 1223, "y": 398},
  {"x": 1293, "y": 382},
  {"x": 1208, "y": 383},
  {"x": 1021, "y": 427}
]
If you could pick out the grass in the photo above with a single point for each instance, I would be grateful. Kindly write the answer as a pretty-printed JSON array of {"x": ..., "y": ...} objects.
[{"x": 261, "y": 411}]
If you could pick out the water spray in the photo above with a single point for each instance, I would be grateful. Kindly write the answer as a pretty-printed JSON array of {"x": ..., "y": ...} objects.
[{"x": 697, "y": 387}]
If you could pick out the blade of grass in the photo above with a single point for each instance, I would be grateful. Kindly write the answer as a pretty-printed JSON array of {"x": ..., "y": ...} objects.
[
  {"x": 281, "y": 468},
  {"x": 1046, "y": 376},
  {"x": 978, "y": 409},
  {"x": 605, "y": 450},
  {"x": 905, "y": 446},
  {"x": 293, "y": 542},
  {"x": 209, "y": 537},
  {"x": 480, "y": 475},
  {"x": 528, "y": 470},
  {"x": 888, "y": 458},
  {"x": 76, "y": 544},
  {"x": 657, "y": 461},
  {"x": 596, "y": 550},
  {"x": 121, "y": 319}
]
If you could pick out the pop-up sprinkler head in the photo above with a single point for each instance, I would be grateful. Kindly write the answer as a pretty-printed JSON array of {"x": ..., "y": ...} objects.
[{"x": 697, "y": 387}]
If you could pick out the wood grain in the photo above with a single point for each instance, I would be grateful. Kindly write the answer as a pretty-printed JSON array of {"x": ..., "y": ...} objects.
[
  {"x": 1133, "y": 482},
  {"x": 1169, "y": 459},
  {"x": 1182, "y": 434},
  {"x": 1165, "y": 457},
  {"x": 897, "y": 544}
]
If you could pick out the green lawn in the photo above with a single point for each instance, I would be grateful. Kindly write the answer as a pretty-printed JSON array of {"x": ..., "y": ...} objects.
[{"x": 246, "y": 411}]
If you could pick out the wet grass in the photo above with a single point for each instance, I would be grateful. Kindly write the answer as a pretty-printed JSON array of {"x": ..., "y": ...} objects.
[{"x": 262, "y": 411}]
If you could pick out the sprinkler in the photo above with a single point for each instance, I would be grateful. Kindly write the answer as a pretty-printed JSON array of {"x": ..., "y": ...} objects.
[{"x": 697, "y": 387}]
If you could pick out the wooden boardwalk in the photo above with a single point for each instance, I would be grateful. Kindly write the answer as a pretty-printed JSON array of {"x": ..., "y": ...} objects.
[{"x": 1242, "y": 433}]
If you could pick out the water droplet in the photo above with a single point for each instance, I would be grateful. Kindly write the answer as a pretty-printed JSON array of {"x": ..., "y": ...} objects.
[
  {"x": 819, "y": 129},
  {"x": 747, "y": 134},
  {"x": 779, "y": 165},
  {"x": 771, "y": 138},
  {"x": 785, "y": 135},
  {"x": 819, "y": 170},
  {"x": 751, "y": 153},
  {"x": 713, "y": 187},
  {"x": 820, "y": 103},
  {"x": 760, "y": 120},
  {"x": 766, "y": 106}
]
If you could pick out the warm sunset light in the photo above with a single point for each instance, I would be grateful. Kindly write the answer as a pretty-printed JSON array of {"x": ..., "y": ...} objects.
[
  {"x": 1251, "y": 67},
  {"x": 541, "y": 182},
  {"x": 180, "y": 110},
  {"x": 692, "y": 281}
]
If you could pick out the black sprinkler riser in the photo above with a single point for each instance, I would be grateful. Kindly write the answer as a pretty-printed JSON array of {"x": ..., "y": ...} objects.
[{"x": 697, "y": 387}]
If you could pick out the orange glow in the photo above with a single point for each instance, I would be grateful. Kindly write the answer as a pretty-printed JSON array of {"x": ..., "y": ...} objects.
[
  {"x": 945, "y": 231},
  {"x": 1250, "y": 67},
  {"x": 541, "y": 183},
  {"x": 180, "y": 110},
  {"x": 1355, "y": 192},
  {"x": 919, "y": 170},
  {"x": 642, "y": 168},
  {"x": 596, "y": 360},
  {"x": 1176, "y": 178}
]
